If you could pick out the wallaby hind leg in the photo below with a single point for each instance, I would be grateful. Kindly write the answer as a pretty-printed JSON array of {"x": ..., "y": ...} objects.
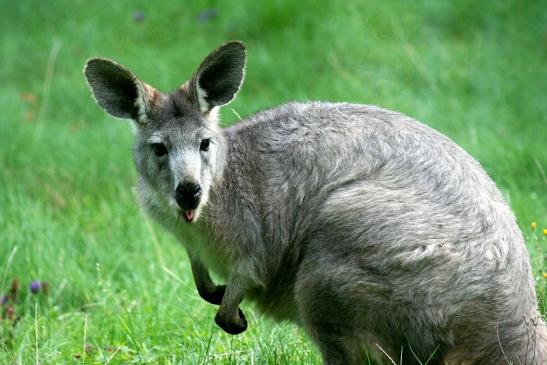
[
  {"x": 337, "y": 343},
  {"x": 328, "y": 317},
  {"x": 338, "y": 349}
]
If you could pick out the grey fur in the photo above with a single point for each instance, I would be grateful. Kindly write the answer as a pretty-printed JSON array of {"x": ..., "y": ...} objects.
[{"x": 362, "y": 225}]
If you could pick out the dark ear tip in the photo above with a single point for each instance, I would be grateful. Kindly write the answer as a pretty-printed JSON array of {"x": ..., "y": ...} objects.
[
  {"x": 92, "y": 64},
  {"x": 96, "y": 61},
  {"x": 236, "y": 43},
  {"x": 98, "y": 64},
  {"x": 236, "y": 46}
]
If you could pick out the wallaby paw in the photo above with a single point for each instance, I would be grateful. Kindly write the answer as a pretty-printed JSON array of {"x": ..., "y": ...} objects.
[
  {"x": 214, "y": 297},
  {"x": 233, "y": 326}
]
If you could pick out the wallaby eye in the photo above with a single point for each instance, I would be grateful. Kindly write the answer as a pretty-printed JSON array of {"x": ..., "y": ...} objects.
[
  {"x": 204, "y": 146},
  {"x": 159, "y": 149}
]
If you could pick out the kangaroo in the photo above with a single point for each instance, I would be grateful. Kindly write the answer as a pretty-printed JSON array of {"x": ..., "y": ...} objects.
[{"x": 375, "y": 233}]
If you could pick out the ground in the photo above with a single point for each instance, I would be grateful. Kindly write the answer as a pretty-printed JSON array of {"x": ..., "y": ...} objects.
[{"x": 119, "y": 288}]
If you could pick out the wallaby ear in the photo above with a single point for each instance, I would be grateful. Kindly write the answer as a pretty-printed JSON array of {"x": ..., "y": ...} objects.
[
  {"x": 219, "y": 76},
  {"x": 117, "y": 90}
]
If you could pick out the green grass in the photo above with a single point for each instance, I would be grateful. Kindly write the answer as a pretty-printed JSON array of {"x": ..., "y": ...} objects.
[{"x": 120, "y": 287}]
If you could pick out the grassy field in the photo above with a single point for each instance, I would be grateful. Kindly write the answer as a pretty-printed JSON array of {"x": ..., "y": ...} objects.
[{"x": 119, "y": 288}]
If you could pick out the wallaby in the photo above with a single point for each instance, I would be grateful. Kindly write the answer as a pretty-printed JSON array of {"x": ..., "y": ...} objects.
[{"x": 375, "y": 233}]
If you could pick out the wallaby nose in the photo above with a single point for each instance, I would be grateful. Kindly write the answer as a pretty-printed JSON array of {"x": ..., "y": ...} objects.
[{"x": 188, "y": 195}]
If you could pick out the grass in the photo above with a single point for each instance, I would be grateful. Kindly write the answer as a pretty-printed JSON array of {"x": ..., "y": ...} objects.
[{"x": 120, "y": 289}]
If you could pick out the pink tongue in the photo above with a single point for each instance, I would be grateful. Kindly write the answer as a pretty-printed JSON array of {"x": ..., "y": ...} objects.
[{"x": 189, "y": 214}]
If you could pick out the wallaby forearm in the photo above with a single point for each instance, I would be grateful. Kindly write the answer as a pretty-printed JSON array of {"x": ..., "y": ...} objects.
[
  {"x": 207, "y": 289},
  {"x": 229, "y": 317}
]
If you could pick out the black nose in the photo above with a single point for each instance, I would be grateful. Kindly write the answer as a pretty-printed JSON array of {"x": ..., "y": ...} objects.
[{"x": 187, "y": 195}]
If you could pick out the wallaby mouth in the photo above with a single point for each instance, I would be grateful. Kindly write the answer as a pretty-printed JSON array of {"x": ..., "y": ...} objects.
[
  {"x": 188, "y": 196},
  {"x": 189, "y": 215}
]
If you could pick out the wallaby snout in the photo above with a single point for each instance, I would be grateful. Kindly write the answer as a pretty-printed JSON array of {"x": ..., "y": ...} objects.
[{"x": 188, "y": 195}]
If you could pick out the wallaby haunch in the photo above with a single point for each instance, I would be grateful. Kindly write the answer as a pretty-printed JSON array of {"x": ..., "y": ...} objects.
[{"x": 364, "y": 226}]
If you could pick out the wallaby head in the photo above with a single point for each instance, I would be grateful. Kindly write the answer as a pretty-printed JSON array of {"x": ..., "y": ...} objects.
[{"x": 179, "y": 149}]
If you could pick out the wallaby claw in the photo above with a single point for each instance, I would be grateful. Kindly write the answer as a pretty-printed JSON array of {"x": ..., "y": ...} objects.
[{"x": 233, "y": 326}]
